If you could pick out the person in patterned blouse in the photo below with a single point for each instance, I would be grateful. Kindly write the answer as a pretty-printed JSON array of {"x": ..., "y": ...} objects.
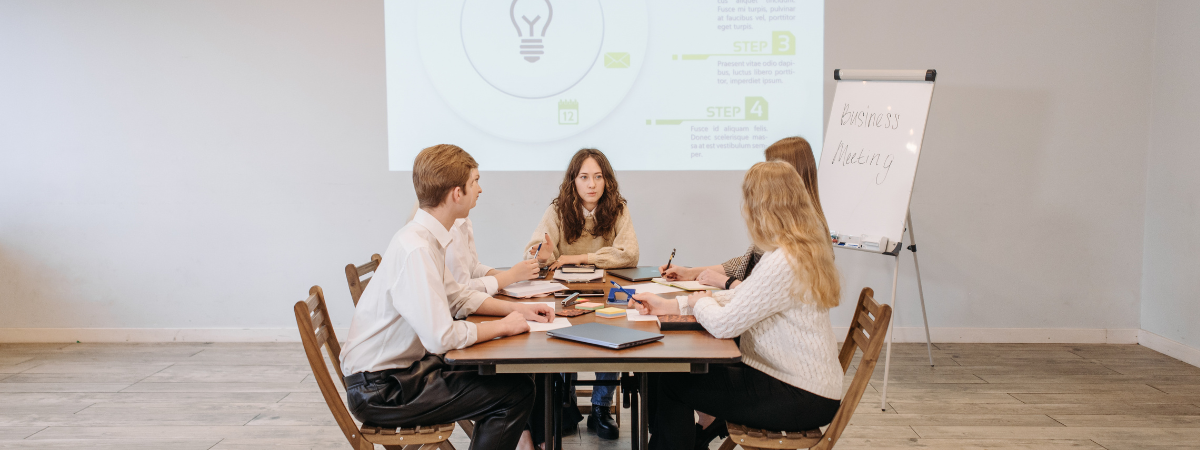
[{"x": 793, "y": 150}]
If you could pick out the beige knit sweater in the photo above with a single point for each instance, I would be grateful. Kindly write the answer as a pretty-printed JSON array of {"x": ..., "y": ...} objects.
[{"x": 620, "y": 250}]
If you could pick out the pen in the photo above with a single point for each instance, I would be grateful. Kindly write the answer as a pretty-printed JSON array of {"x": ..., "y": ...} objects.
[
  {"x": 669, "y": 261},
  {"x": 627, "y": 293}
]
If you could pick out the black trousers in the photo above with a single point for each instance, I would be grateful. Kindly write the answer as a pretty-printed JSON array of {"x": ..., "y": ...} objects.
[
  {"x": 736, "y": 392},
  {"x": 537, "y": 419},
  {"x": 432, "y": 392}
]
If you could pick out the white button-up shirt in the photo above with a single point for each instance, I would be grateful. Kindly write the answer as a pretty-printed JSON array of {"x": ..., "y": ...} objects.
[
  {"x": 463, "y": 260},
  {"x": 413, "y": 305}
]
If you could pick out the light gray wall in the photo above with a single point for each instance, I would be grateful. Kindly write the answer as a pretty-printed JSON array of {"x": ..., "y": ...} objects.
[
  {"x": 199, "y": 164},
  {"x": 1171, "y": 279},
  {"x": 1028, "y": 200}
]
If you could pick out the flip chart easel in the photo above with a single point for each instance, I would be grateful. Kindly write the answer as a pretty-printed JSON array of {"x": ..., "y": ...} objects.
[{"x": 868, "y": 167}]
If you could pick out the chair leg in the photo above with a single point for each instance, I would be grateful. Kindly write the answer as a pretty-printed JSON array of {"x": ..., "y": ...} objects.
[
  {"x": 445, "y": 445},
  {"x": 617, "y": 405},
  {"x": 728, "y": 444},
  {"x": 467, "y": 426}
]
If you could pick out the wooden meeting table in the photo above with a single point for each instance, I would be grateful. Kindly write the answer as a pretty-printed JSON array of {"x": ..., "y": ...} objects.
[{"x": 537, "y": 353}]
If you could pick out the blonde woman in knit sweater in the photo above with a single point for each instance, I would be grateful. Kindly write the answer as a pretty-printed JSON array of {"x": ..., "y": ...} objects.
[
  {"x": 588, "y": 223},
  {"x": 789, "y": 377}
]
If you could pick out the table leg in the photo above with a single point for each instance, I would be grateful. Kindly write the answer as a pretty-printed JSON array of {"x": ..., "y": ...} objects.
[
  {"x": 634, "y": 429},
  {"x": 644, "y": 425},
  {"x": 548, "y": 389},
  {"x": 560, "y": 391}
]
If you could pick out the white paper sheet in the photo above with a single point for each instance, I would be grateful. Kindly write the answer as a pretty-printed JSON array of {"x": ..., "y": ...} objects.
[
  {"x": 633, "y": 316},
  {"x": 535, "y": 288},
  {"x": 686, "y": 285},
  {"x": 652, "y": 288},
  {"x": 559, "y": 322}
]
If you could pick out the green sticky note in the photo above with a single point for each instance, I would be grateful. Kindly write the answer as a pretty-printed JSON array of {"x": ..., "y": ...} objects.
[{"x": 616, "y": 60}]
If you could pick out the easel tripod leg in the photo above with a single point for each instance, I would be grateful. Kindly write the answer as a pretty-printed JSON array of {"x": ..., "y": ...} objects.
[
  {"x": 920, "y": 289},
  {"x": 887, "y": 360}
]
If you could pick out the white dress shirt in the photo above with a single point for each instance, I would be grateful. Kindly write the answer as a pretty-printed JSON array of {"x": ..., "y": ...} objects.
[
  {"x": 463, "y": 260},
  {"x": 412, "y": 303}
]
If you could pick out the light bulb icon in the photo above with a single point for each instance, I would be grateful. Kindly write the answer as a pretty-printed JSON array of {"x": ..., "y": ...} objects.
[{"x": 531, "y": 43}]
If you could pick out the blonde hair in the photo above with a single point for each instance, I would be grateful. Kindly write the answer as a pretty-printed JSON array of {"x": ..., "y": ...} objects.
[
  {"x": 780, "y": 214},
  {"x": 796, "y": 151},
  {"x": 438, "y": 170}
]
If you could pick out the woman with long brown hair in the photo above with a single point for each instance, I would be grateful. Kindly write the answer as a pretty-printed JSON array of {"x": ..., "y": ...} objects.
[
  {"x": 789, "y": 377},
  {"x": 588, "y": 223},
  {"x": 793, "y": 150}
]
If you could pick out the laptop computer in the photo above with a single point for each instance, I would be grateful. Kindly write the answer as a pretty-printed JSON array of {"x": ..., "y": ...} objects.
[
  {"x": 605, "y": 335},
  {"x": 640, "y": 273}
]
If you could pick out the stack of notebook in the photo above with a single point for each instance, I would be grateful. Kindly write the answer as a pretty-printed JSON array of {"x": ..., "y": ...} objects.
[
  {"x": 673, "y": 322},
  {"x": 578, "y": 273},
  {"x": 611, "y": 313},
  {"x": 531, "y": 288}
]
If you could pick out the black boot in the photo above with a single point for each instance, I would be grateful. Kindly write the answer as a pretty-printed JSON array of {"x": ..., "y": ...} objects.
[
  {"x": 570, "y": 416},
  {"x": 601, "y": 422},
  {"x": 705, "y": 435}
]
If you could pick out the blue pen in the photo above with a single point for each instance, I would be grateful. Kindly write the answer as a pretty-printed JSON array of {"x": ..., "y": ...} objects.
[{"x": 627, "y": 293}]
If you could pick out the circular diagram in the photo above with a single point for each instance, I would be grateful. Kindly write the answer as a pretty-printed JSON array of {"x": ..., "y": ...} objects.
[
  {"x": 532, "y": 70},
  {"x": 529, "y": 64}
]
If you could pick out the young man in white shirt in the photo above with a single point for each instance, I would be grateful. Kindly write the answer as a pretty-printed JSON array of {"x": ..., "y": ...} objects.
[
  {"x": 463, "y": 261},
  {"x": 411, "y": 314}
]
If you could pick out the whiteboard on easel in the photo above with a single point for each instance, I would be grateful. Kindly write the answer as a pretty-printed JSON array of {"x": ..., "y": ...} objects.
[{"x": 872, "y": 146}]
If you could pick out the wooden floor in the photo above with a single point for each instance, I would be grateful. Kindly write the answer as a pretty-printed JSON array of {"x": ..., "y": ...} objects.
[{"x": 234, "y": 396}]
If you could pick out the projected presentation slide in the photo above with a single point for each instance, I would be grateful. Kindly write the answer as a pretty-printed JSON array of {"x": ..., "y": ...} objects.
[{"x": 654, "y": 84}]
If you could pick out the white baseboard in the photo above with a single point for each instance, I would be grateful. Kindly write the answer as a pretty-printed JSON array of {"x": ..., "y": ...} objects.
[
  {"x": 1169, "y": 347},
  {"x": 148, "y": 335},
  {"x": 1012, "y": 335},
  {"x": 903, "y": 334}
]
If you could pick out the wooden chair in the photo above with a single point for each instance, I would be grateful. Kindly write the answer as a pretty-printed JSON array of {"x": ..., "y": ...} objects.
[
  {"x": 316, "y": 331},
  {"x": 867, "y": 332},
  {"x": 354, "y": 276}
]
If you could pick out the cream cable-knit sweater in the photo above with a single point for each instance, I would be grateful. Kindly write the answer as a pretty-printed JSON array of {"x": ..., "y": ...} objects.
[
  {"x": 613, "y": 252},
  {"x": 782, "y": 335}
]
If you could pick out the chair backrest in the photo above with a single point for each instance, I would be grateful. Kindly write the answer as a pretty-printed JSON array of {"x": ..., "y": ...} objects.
[
  {"x": 355, "y": 274},
  {"x": 868, "y": 329},
  {"x": 316, "y": 331}
]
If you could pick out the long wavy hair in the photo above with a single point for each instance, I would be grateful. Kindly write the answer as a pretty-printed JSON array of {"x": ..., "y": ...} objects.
[
  {"x": 796, "y": 151},
  {"x": 780, "y": 213},
  {"x": 570, "y": 205}
]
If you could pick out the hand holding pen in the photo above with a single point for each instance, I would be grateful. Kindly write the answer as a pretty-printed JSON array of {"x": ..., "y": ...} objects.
[{"x": 651, "y": 304}]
